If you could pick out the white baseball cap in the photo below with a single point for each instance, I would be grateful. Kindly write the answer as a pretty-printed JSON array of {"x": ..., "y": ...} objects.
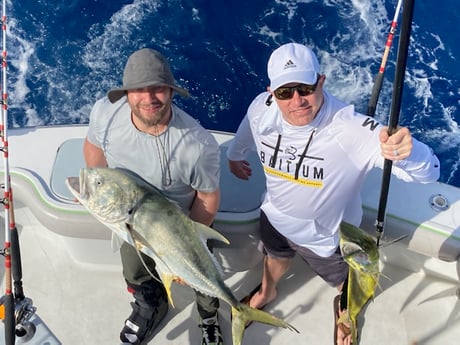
[{"x": 292, "y": 63}]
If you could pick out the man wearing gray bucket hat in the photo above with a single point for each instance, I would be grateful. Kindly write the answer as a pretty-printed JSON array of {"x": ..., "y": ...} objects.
[
  {"x": 146, "y": 67},
  {"x": 137, "y": 127}
]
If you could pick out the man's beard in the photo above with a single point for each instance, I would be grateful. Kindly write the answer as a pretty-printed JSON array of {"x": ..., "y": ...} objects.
[{"x": 160, "y": 114}]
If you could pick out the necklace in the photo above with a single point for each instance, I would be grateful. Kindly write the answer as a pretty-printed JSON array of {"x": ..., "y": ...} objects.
[{"x": 163, "y": 158}]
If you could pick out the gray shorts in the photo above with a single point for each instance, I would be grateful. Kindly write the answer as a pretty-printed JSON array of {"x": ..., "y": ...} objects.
[{"x": 333, "y": 270}]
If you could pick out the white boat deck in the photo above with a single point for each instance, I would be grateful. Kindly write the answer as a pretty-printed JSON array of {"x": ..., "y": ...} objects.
[
  {"x": 75, "y": 280},
  {"x": 87, "y": 304}
]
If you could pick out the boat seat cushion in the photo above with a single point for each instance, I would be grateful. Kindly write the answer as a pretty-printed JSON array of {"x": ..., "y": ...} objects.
[
  {"x": 236, "y": 195},
  {"x": 68, "y": 162}
]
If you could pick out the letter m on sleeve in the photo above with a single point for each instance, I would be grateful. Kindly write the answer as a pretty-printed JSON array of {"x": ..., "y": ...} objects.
[{"x": 369, "y": 122}]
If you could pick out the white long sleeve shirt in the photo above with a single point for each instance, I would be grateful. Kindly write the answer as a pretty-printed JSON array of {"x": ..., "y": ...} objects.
[{"x": 314, "y": 173}]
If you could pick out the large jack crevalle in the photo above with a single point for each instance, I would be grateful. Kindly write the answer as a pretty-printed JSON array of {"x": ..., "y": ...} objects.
[{"x": 138, "y": 213}]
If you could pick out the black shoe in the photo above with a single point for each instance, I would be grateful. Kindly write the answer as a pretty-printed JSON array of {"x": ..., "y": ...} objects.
[
  {"x": 211, "y": 334},
  {"x": 140, "y": 325}
]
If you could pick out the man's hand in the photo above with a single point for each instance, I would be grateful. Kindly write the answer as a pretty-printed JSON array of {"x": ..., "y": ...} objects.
[
  {"x": 240, "y": 169},
  {"x": 397, "y": 146}
]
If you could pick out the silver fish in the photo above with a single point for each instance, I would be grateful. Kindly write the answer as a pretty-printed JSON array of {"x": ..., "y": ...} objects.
[{"x": 140, "y": 214}]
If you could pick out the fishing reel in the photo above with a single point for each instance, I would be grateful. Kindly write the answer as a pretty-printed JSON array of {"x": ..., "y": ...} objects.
[{"x": 24, "y": 310}]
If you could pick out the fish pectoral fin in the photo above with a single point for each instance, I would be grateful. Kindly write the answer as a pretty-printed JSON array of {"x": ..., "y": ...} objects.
[
  {"x": 377, "y": 279},
  {"x": 142, "y": 244},
  {"x": 209, "y": 233},
  {"x": 138, "y": 240}
]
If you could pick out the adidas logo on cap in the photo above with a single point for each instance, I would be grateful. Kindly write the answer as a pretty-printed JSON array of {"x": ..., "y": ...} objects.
[{"x": 289, "y": 64}]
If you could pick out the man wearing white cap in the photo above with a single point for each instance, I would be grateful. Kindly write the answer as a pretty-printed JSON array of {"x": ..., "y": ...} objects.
[
  {"x": 315, "y": 151},
  {"x": 137, "y": 127}
]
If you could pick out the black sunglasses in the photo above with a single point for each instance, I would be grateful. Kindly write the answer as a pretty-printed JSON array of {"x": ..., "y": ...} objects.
[{"x": 286, "y": 92}]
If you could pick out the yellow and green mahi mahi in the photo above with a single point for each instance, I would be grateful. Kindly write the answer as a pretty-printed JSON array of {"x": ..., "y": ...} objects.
[
  {"x": 141, "y": 215},
  {"x": 360, "y": 251}
]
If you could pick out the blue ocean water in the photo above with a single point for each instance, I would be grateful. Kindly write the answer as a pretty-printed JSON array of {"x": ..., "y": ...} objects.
[{"x": 63, "y": 55}]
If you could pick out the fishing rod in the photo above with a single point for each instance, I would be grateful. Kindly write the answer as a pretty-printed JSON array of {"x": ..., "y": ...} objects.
[
  {"x": 8, "y": 298},
  {"x": 379, "y": 77},
  {"x": 17, "y": 309},
  {"x": 401, "y": 62}
]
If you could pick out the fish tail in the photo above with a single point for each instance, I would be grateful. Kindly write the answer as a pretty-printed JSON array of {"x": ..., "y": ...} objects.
[{"x": 242, "y": 314}]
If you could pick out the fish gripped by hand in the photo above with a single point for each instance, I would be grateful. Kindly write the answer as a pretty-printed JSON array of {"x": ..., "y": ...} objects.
[
  {"x": 361, "y": 253},
  {"x": 138, "y": 213}
]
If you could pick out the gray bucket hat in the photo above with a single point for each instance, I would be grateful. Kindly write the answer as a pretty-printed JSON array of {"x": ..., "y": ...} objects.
[{"x": 146, "y": 67}]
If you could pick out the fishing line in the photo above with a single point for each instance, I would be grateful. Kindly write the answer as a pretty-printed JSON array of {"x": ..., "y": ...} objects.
[{"x": 401, "y": 62}]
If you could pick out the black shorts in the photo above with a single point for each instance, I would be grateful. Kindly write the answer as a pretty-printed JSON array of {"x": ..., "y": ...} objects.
[{"x": 333, "y": 270}]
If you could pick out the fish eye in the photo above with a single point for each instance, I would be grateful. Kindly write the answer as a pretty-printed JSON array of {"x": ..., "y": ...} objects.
[{"x": 362, "y": 258}]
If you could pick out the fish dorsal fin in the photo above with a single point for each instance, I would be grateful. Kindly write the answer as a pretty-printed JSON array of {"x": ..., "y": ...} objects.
[{"x": 208, "y": 233}]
